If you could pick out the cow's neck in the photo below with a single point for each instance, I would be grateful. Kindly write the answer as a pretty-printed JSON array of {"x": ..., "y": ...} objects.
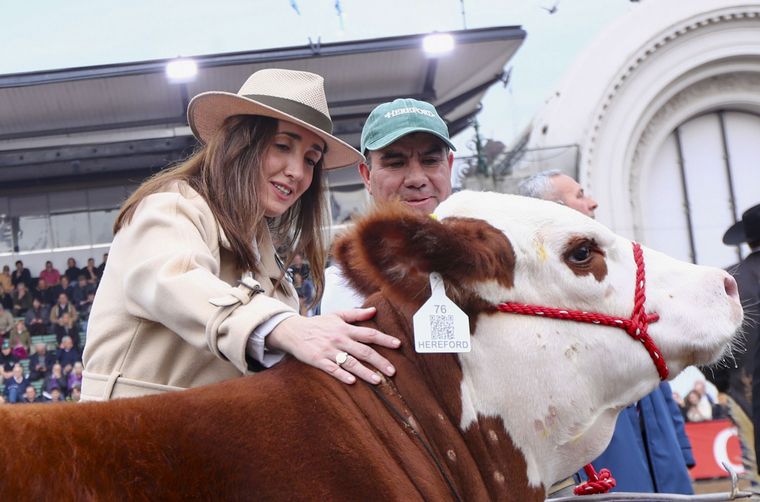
[{"x": 481, "y": 461}]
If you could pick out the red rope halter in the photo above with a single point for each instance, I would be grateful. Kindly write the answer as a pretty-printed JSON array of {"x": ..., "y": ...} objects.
[{"x": 637, "y": 327}]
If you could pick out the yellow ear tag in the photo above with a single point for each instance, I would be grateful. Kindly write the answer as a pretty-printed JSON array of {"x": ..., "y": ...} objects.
[{"x": 433, "y": 216}]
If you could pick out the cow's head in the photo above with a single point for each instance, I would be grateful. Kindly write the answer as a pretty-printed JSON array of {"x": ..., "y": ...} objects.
[{"x": 557, "y": 385}]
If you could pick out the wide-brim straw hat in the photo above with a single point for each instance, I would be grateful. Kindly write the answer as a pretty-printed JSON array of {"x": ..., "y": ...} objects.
[
  {"x": 745, "y": 230},
  {"x": 295, "y": 96}
]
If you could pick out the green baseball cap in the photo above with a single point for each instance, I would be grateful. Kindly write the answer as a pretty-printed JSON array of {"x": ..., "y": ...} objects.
[{"x": 390, "y": 121}]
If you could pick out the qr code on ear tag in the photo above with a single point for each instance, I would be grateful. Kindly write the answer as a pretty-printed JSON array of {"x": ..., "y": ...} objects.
[{"x": 441, "y": 327}]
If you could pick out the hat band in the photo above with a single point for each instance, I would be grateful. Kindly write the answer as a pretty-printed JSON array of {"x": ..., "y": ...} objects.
[{"x": 298, "y": 110}]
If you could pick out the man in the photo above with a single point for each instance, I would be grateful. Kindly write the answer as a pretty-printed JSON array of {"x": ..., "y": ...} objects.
[
  {"x": 557, "y": 186},
  {"x": 409, "y": 158},
  {"x": 649, "y": 451},
  {"x": 741, "y": 380},
  {"x": 6, "y": 322},
  {"x": 41, "y": 362}
]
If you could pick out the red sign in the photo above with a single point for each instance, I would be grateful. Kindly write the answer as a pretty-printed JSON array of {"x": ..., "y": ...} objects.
[{"x": 714, "y": 442}]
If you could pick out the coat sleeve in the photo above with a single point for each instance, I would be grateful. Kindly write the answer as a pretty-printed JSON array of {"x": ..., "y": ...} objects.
[
  {"x": 173, "y": 272},
  {"x": 678, "y": 425}
]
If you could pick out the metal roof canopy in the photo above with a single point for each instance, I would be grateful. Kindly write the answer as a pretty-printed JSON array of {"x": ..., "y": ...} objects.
[{"x": 111, "y": 124}]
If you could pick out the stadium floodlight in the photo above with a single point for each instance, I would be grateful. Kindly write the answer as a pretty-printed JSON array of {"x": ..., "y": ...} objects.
[
  {"x": 181, "y": 70},
  {"x": 437, "y": 44}
]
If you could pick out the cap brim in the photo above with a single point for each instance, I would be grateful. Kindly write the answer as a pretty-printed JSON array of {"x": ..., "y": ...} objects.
[
  {"x": 735, "y": 235},
  {"x": 207, "y": 112},
  {"x": 398, "y": 133}
]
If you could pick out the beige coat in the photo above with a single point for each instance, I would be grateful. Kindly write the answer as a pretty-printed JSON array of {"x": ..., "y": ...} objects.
[{"x": 169, "y": 313}]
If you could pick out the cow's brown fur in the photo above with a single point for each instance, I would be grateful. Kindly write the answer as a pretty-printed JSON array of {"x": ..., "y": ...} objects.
[{"x": 293, "y": 432}]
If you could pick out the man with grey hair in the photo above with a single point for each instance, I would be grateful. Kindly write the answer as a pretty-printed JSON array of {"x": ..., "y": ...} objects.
[{"x": 557, "y": 186}]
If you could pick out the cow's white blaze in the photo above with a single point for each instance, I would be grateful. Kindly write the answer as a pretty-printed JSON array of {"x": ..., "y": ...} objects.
[{"x": 559, "y": 385}]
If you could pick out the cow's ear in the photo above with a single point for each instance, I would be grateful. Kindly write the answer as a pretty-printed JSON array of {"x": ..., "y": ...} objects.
[{"x": 395, "y": 249}]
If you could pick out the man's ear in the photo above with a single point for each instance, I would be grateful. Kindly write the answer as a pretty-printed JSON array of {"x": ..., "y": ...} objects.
[
  {"x": 364, "y": 172},
  {"x": 394, "y": 249}
]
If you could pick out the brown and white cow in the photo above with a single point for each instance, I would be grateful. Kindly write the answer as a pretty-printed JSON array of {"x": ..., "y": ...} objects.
[{"x": 534, "y": 400}]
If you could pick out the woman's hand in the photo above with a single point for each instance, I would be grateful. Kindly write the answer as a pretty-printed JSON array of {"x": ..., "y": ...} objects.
[{"x": 318, "y": 340}]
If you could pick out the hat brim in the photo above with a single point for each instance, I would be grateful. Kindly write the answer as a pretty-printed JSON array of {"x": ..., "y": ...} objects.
[
  {"x": 207, "y": 112},
  {"x": 398, "y": 133},
  {"x": 735, "y": 235}
]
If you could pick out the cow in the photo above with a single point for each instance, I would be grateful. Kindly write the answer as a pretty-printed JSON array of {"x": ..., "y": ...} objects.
[{"x": 534, "y": 399}]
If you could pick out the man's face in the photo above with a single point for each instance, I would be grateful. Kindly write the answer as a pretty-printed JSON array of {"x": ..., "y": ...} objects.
[
  {"x": 569, "y": 192},
  {"x": 415, "y": 169}
]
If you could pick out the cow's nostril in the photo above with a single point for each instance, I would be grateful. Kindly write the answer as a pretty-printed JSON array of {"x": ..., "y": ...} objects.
[{"x": 729, "y": 284}]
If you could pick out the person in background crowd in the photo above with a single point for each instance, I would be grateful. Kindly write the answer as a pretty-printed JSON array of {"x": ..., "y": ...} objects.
[
  {"x": 72, "y": 271},
  {"x": 556, "y": 186},
  {"x": 7, "y": 359},
  {"x": 6, "y": 323},
  {"x": 44, "y": 292},
  {"x": 75, "y": 394},
  {"x": 37, "y": 318},
  {"x": 75, "y": 376},
  {"x": 409, "y": 158},
  {"x": 63, "y": 306},
  {"x": 691, "y": 407},
  {"x": 102, "y": 266},
  {"x": 66, "y": 327},
  {"x": 90, "y": 272},
  {"x": 56, "y": 379},
  {"x": 30, "y": 396},
  {"x": 6, "y": 299},
  {"x": 20, "y": 340},
  {"x": 21, "y": 275},
  {"x": 68, "y": 355},
  {"x": 22, "y": 300},
  {"x": 299, "y": 266},
  {"x": 15, "y": 385},
  {"x": 6, "y": 284},
  {"x": 80, "y": 292},
  {"x": 56, "y": 396},
  {"x": 65, "y": 286},
  {"x": 649, "y": 451},
  {"x": 193, "y": 281},
  {"x": 41, "y": 362},
  {"x": 706, "y": 402},
  {"x": 50, "y": 274}
]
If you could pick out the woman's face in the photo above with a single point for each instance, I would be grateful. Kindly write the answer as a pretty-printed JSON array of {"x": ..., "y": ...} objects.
[{"x": 288, "y": 167}]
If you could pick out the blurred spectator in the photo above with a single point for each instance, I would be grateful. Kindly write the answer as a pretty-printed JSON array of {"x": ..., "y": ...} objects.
[
  {"x": 91, "y": 272},
  {"x": 44, "y": 292},
  {"x": 37, "y": 319},
  {"x": 84, "y": 311},
  {"x": 68, "y": 355},
  {"x": 706, "y": 402},
  {"x": 66, "y": 327},
  {"x": 22, "y": 300},
  {"x": 50, "y": 274},
  {"x": 305, "y": 291},
  {"x": 20, "y": 340},
  {"x": 6, "y": 323},
  {"x": 7, "y": 359},
  {"x": 102, "y": 266},
  {"x": 65, "y": 286},
  {"x": 72, "y": 272},
  {"x": 16, "y": 384},
  {"x": 30, "y": 396},
  {"x": 63, "y": 306},
  {"x": 21, "y": 275},
  {"x": 56, "y": 396},
  {"x": 691, "y": 407},
  {"x": 5, "y": 279},
  {"x": 41, "y": 362},
  {"x": 75, "y": 394},
  {"x": 6, "y": 299},
  {"x": 299, "y": 267},
  {"x": 56, "y": 379},
  {"x": 80, "y": 291},
  {"x": 75, "y": 377}
]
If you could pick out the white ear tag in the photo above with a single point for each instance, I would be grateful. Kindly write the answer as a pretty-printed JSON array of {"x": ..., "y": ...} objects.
[{"x": 440, "y": 325}]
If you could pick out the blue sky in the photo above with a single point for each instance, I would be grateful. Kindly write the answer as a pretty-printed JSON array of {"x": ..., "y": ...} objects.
[{"x": 47, "y": 34}]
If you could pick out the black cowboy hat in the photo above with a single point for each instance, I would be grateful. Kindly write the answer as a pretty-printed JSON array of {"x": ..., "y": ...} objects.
[{"x": 745, "y": 230}]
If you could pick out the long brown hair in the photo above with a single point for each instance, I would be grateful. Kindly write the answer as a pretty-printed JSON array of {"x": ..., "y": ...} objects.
[{"x": 227, "y": 173}]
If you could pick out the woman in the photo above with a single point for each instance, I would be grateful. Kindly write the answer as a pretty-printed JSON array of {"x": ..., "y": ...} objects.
[
  {"x": 193, "y": 292},
  {"x": 20, "y": 340}
]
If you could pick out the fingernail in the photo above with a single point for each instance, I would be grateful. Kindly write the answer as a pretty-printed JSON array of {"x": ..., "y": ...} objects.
[
  {"x": 350, "y": 379},
  {"x": 375, "y": 378},
  {"x": 396, "y": 342},
  {"x": 390, "y": 370}
]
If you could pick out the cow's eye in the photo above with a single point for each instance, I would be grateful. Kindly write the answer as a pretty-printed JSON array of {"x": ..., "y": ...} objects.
[{"x": 580, "y": 254}]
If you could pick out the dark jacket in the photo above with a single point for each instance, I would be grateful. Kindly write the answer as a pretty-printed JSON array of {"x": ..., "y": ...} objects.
[{"x": 650, "y": 433}]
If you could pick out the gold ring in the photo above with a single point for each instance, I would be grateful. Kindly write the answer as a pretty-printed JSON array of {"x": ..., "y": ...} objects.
[{"x": 341, "y": 358}]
